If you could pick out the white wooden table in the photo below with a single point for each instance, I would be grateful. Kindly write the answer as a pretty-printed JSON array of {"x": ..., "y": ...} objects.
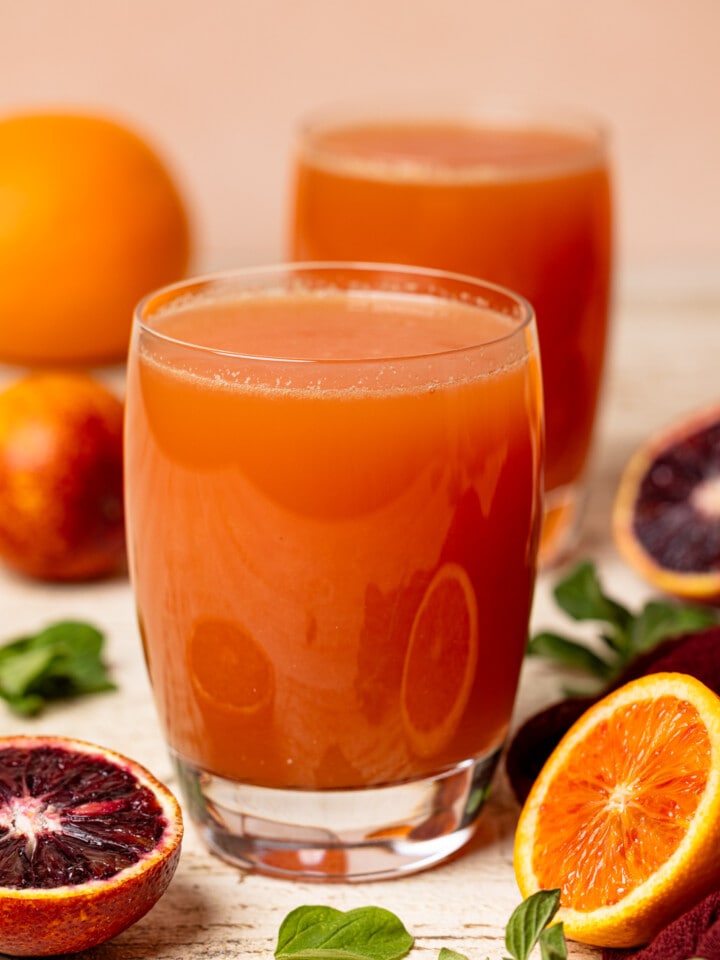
[{"x": 665, "y": 360}]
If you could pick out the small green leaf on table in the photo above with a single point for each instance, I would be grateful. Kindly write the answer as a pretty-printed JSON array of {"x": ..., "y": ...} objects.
[
  {"x": 528, "y": 922},
  {"x": 62, "y": 660},
  {"x": 324, "y": 933}
]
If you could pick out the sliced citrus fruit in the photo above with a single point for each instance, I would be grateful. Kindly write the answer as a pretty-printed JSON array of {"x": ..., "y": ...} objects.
[
  {"x": 441, "y": 660},
  {"x": 666, "y": 516},
  {"x": 624, "y": 817},
  {"x": 229, "y": 667},
  {"x": 89, "y": 841}
]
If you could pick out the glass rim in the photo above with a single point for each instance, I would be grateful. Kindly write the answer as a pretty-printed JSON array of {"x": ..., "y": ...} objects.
[
  {"x": 167, "y": 298},
  {"x": 499, "y": 113}
]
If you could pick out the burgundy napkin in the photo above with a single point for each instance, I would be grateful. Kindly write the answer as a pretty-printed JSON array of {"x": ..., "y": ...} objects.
[
  {"x": 697, "y": 932},
  {"x": 694, "y": 653},
  {"x": 694, "y": 934}
]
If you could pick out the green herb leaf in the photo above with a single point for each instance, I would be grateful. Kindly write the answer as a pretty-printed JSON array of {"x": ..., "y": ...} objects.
[
  {"x": 568, "y": 653},
  {"x": 529, "y": 920},
  {"x": 323, "y": 933},
  {"x": 581, "y": 596},
  {"x": 625, "y": 634},
  {"x": 446, "y": 954},
  {"x": 62, "y": 660},
  {"x": 658, "y": 620},
  {"x": 553, "y": 945}
]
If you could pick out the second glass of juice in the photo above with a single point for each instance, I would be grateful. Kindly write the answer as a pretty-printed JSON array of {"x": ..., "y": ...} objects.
[
  {"x": 521, "y": 200},
  {"x": 333, "y": 499}
]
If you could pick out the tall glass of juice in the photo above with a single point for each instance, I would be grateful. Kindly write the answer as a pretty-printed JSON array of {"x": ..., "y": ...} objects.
[
  {"x": 524, "y": 201},
  {"x": 333, "y": 482}
]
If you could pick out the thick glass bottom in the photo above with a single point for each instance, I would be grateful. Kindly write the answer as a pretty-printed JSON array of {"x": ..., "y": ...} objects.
[
  {"x": 338, "y": 835},
  {"x": 564, "y": 509}
]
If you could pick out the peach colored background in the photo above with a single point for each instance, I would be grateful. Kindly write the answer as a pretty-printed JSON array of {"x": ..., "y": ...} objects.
[{"x": 218, "y": 86}]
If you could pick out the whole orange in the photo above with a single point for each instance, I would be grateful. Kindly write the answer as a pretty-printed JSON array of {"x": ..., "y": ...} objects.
[
  {"x": 61, "y": 477},
  {"x": 90, "y": 221}
]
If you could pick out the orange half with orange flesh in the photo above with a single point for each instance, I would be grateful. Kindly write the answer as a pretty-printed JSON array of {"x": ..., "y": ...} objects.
[{"x": 624, "y": 817}]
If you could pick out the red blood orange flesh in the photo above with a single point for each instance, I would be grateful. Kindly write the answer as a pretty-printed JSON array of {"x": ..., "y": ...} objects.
[
  {"x": 89, "y": 841},
  {"x": 666, "y": 517}
]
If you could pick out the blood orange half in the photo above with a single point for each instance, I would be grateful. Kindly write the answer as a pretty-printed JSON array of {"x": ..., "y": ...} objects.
[
  {"x": 89, "y": 841},
  {"x": 666, "y": 516}
]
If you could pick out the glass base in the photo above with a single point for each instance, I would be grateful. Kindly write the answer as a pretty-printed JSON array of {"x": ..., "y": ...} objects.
[
  {"x": 564, "y": 509},
  {"x": 338, "y": 835}
]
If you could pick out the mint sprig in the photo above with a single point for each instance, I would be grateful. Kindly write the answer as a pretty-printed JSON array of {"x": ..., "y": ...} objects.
[
  {"x": 62, "y": 660},
  {"x": 624, "y": 634},
  {"x": 373, "y": 933}
]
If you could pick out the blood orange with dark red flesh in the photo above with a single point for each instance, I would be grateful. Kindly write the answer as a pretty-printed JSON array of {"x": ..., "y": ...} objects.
[
  {"x": 89, "y": 841},
  {"x": 666, "y": 517}
]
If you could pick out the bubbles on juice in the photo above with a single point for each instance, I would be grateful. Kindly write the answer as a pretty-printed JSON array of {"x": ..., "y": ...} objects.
[
  {"x": 336, "y": 344},
  {"x": 454, "y": 150}
]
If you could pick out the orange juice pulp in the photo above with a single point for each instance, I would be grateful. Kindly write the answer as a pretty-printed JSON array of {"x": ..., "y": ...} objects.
[
  {"x": 286, "y": 521},
  {"x": 528, "y": 208}
]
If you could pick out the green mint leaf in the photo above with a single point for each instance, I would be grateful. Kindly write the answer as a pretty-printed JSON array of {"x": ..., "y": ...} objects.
[
  {"x": 626, "y": 634},
  {"x": 446, "y": 954},
  {"x": 581, "y": 596},
  {"x": 553, "y": 945},
  {"x": 62, "y": 660},
  {"x": 659, "y": 620},
  {"x": 529, "y": 920},
  {"x": 323, "y": 933},
  {"x": 28, "y": 706},
  {"x": 79, "y": 637},
  {"x": 19, "y": 672},
  {"x": 569, "y": 653}
]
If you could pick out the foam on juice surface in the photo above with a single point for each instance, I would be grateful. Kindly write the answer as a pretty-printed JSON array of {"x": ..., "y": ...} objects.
[{"x": 332, "y": 341}]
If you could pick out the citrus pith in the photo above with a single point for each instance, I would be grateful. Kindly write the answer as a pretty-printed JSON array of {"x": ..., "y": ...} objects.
[
  {"x": 666, "y": 515},
  {"x": 89, "y": 841},
  {"x": 624, "y": 817}
]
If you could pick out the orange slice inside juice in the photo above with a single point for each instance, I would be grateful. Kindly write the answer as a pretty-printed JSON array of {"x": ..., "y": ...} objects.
[{"x": 441, "y": 660}]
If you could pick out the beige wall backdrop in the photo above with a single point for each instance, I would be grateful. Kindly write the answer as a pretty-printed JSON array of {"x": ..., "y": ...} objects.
[{"x": 219, "y": 86}]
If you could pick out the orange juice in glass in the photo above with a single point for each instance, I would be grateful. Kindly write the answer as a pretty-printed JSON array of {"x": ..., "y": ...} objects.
[
  {"x": 521, "y": 201},
  {"x": 333, "y": 498}
]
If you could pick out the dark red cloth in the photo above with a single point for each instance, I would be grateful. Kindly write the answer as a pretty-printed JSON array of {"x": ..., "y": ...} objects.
[
  {"x": 694, "y": 653},
  {"x": 694, "y": 934},
  {"x": 697, "y": 932}
]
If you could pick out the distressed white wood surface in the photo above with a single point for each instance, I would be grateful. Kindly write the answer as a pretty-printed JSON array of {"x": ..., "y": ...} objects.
[{"x": 665, "y": 361}]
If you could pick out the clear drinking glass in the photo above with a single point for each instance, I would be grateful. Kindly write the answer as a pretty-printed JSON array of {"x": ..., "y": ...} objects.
[
  {"x": 519, "y": 198},
  {"x": 333, "y": 500}
]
